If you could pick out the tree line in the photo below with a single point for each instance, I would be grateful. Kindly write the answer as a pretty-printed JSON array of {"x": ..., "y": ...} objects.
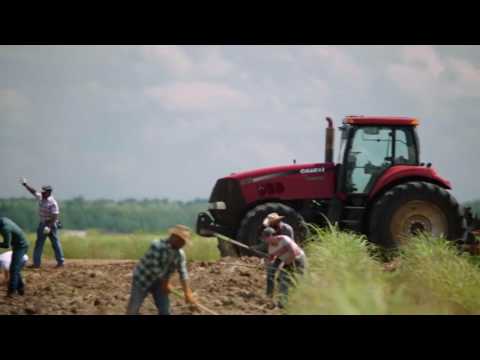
[{"x": 126, "y": 216}]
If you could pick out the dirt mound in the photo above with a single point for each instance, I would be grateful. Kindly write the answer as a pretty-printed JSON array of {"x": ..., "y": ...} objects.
[{"x": 96, "y": 287}]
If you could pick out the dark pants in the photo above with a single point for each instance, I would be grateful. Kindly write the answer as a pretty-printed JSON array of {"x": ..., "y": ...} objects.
[
  {"x": 16, "y": 283},
  {"x": 138, "y": 295},
  {"x": 41, "y": 237},
  {"x": 288, "y": 276},
  {"x": 272, "y": 269}
]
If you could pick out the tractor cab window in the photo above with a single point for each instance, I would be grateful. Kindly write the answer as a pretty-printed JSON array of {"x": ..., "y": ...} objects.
[
  {"x": 405, "y": 149},
  {"x": 369, "y": 155}
]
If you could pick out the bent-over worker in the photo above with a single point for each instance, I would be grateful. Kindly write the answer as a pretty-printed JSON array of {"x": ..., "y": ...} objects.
[
  {"x": 283, "y": 248},
  {"x": 14, "y": 237},
  {"x": 152, "y": 273}
]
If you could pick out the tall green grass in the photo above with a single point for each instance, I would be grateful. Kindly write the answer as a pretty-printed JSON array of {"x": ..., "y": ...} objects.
[
  {"x": 345, "y": 278},
  {"x": 434, "y": 273},
  {"x": 101, "y": 245}
]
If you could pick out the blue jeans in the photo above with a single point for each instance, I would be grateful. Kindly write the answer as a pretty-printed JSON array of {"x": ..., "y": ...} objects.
[
  {"x": 57, "y": 247},
  {"x": 138, "y": 295},
  {"x": 16, "y": 283}
]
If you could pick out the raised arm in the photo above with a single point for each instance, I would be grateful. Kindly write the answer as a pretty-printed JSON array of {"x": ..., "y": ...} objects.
[{"x": 28, "y": 187}]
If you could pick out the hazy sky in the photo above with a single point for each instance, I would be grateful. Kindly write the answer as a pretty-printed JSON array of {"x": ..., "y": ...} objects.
[{"x": 167, "y": 121}]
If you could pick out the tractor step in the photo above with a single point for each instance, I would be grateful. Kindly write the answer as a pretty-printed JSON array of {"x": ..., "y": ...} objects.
[
  {"x": 355, "y": 225},
  {"x": 353, "y": 213}
]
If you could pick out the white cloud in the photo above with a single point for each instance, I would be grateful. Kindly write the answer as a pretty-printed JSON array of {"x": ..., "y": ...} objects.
[
  {"x": 424, "y": 58},
  {"x": 199, "y": 96},
  {"x": 205, "y": 61},
  {"x": 411, "y": 79},
  {"x": 172, "y": 57},
  {"x": 422, "y": 72},
  {"x": 418, "y": 73},
  {"x": 341, "y": 62},
  {"x": 214, "y": 63},
  {"x": 467, "y": 78}
]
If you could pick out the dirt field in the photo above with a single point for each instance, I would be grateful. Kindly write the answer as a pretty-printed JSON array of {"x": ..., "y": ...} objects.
[{"x": 95, "y": 287}]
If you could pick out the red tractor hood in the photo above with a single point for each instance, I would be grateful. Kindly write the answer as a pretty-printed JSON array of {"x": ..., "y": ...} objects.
[{"x": 280, "y": 170}]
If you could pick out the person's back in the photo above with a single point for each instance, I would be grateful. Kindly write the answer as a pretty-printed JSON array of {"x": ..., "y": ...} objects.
[
  {"x": 285, "y": 229},
  {"x": 161, "y": 260},
  {"x": 12, "y": 234}
]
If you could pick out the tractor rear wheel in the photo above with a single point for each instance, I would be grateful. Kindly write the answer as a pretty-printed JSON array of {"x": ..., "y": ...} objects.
[
  {"x": 412, "y": 208},
  {"x": 251, "y": 226}
]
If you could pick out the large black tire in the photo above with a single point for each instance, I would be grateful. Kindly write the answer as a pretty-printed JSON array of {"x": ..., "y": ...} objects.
[
  {"x": 414, "y": 207},
  {"x": 251, "y": 226}
]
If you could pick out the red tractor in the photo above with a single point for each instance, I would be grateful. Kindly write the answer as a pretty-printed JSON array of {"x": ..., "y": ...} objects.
[{"x": 379, "y": 188}]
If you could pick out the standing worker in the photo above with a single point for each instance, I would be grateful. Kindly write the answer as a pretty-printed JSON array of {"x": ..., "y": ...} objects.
[
  {"x": 14, "y": 237},
  {"x": 153, "y": 272},
  {"x": 283, "y": 248},
  {"x": 49, "y": 212},
  {"x": 274, "y": 221}
]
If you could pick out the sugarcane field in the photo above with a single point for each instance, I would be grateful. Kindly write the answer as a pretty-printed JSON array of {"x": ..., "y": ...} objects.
[{"x": 220, "y": 180}]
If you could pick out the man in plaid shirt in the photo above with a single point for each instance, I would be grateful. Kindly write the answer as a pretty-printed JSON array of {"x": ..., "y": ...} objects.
[{"x": 152, "y": 273}]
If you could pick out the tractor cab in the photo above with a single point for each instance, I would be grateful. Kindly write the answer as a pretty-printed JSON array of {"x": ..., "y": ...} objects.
[{"x": 370, "y": 146}]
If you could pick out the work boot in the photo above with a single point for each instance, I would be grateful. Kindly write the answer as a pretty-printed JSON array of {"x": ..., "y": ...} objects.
[
  {"x": 33, "y": 266},
  {"x": 21, "y": 291},
  {"x": 59, "y": 266}
]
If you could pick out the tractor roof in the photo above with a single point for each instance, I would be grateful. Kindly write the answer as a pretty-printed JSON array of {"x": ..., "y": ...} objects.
[{"x": 380, "y": 120}]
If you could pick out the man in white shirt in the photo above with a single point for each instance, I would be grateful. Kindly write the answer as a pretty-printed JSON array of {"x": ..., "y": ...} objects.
[
  {"x": 283, "y": 248},
  {"x": 6, "y": 260},
  {"x": 49, "y": 212}
]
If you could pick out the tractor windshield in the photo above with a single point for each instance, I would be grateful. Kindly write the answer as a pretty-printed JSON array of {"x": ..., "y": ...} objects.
[
  {"x": 372, "y": 150},
  {"x": 370, "y": 153}
]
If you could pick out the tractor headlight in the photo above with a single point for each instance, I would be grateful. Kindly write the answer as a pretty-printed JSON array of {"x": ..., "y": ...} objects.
[{"x": 219, "y": 205}]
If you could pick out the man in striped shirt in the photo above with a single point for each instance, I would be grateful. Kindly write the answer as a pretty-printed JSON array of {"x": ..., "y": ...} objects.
[
  {"x": 153, "y": 272},
  {"x": 49, "y": 212},
  {"x": 284, "y": 249}
]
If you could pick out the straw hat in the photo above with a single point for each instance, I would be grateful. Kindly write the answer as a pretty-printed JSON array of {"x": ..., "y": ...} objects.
[
  {"x": 181, "y": 231},
  {"x": 272, "y": 219}
]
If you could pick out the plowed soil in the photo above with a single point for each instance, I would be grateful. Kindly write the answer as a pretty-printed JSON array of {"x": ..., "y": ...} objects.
[{"x": 232, "y": 286}]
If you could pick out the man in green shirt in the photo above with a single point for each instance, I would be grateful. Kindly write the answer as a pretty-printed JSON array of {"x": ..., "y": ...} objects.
[{"x": 14, "y": 237}]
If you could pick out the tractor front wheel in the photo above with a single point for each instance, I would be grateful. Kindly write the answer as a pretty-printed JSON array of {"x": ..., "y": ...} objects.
[{"x": 412, "y": 208}]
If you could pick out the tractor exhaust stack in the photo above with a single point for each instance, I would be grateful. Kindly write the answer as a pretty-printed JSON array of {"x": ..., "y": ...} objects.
[{"x": 329, "y": 141}]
